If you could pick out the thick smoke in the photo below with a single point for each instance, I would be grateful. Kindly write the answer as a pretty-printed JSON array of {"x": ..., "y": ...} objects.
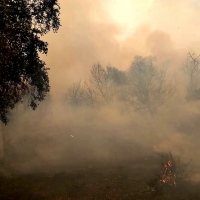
[{"x": 58, "y": 135}]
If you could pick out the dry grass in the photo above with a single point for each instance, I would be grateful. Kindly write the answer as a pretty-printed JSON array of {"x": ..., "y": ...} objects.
[{"x": 124, "y": 180}]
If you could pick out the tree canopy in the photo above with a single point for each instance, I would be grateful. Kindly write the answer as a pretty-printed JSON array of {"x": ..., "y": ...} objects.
[
  {"x": 149, "y": 87},
  {"x": 22, "y": 71}
]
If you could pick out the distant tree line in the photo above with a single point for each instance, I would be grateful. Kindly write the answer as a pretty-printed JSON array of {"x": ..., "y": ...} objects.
[{"x": 143, "y": 86}]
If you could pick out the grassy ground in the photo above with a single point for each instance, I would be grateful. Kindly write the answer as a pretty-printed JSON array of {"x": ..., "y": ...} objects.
[{"x": 125, "y": 180}]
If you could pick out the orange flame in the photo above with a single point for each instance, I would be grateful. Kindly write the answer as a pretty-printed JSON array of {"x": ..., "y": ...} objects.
[{"x": 167, "y": 175}]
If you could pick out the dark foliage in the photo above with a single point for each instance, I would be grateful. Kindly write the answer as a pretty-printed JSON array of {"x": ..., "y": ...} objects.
[
  {"x": 117, "y": 76},
  {"x": 21, "y": 69}
]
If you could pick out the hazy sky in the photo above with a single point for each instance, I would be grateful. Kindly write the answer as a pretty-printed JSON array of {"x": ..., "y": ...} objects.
[{"x": 114, "y": 31}]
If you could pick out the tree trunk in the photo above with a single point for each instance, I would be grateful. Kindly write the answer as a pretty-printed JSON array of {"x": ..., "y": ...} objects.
[{"x": 3, "y": 144}]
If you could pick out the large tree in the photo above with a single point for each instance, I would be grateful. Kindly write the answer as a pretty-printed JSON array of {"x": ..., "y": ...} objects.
[
  {"x": 148, "y": 85},
  {"x": 22, "y": 23},
  {"x": 192, "y": 70},
  {"x": 101, "y": 88}
]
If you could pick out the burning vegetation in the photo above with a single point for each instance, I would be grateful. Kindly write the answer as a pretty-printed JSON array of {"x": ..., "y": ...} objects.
[
  {"x": 173, "y": 173},
  {"x": 168, "y": 173}
]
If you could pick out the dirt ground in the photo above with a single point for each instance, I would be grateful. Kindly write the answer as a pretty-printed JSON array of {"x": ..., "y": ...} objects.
[{"x": 127, "y": 180}]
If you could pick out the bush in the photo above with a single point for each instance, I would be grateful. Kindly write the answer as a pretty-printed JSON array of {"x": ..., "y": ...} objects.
[{"x": 172, "y": 176}]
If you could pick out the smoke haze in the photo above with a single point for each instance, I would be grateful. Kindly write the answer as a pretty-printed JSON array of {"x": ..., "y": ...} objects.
[
  {"x": 112, "y": 33},
  {"x": 90, "y": 33}
]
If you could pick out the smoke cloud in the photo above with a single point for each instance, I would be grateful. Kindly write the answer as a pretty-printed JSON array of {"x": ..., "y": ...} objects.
[{"x": 111, "y": 33}]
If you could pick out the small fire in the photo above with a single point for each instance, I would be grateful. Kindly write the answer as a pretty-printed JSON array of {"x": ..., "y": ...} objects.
[{"x": 168, "y": 174}]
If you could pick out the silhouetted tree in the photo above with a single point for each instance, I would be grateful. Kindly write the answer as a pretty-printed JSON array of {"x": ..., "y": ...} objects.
[
  {"x": 100, "y": 89},
  {"x": 22, "y": 22},
  {"x": 148, "y": 86},
  {"x": 192, "y": 69},
  {"x": 81, "y": 95},
  {"x": 101, "y": 83}
]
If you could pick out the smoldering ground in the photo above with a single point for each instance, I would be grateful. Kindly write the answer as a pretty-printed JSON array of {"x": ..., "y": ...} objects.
[{"x": 57, "y": 135}]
